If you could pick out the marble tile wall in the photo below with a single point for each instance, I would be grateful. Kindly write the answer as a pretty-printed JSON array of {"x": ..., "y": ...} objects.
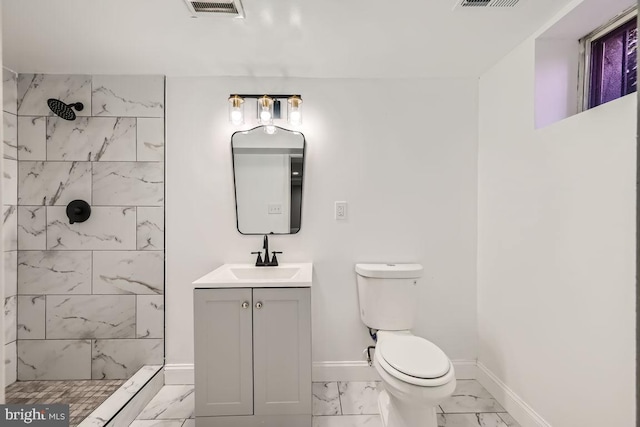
[
  {"x": 10, "y": 218},
  {"x": 89, "y": 296}
]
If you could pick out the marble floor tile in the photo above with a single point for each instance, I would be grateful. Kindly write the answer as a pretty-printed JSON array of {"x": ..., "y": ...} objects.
[
  {"x": 157, "y": 423},
  {"x": 334, "y": 399},
  {"x": 171, "y": 402},
  {"x": 347, "y": 421},
  {"x": 470, "y": 396},
  {"x": 125, "y": 403},
  {"x": 508, "y": 420},
  {"x": 358, "y": 398},
  {"x": 326, "y": 399},
  {"x": 470, "y": 420}
]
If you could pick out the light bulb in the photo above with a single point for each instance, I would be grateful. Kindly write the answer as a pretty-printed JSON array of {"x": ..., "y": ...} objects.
[
  {"x": 265, "y": 115},
  {"x": 236, "y": 117},
  {"x": 265, "y": 110},
  {"x": 295, "y": 117}
]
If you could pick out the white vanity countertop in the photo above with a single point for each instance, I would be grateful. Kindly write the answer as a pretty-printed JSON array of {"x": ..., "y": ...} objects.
[{"x": 286, "y": 275}]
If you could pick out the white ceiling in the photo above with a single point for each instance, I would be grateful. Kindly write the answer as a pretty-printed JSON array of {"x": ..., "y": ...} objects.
[{"x": 331, "y": 38}]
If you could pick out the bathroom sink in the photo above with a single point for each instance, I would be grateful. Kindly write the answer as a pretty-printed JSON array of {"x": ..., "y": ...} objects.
[{"x": 250, "y": 276}]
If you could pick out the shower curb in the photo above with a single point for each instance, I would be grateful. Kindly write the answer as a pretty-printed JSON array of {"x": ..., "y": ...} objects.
[{"x": 123, "y": 406}]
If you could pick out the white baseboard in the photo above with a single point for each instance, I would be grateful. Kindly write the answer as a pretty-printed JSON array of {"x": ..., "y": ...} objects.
[
  {"x": 179, "y": 373},
  {"x": 517, "y": 408},
  {"x": 355, "y": 370},
  {"x": 465, "y": 369}
]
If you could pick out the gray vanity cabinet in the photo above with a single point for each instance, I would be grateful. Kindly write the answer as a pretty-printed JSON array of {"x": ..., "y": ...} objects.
[{"x": 253, "y": 357}]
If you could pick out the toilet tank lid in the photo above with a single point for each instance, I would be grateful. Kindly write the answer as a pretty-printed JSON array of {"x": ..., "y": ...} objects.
[{"x": 390, "y": 271}]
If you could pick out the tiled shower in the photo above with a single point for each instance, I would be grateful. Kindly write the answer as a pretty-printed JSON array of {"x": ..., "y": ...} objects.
[{"x": 88, "y": 299}]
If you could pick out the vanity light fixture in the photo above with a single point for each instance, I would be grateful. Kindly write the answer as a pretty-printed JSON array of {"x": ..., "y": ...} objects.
[
  {"x": 236, "y": 110},
  {"x": 268, "y": 108}
]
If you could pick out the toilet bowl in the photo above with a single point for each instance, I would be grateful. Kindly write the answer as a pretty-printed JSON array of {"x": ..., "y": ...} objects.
[{"x": 416, "y": 374}]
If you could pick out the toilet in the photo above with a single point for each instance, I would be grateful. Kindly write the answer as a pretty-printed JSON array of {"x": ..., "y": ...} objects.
[{"x": 416, "y": 374}]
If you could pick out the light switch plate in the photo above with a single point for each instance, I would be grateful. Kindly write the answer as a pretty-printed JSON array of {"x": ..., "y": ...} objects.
[
  {"x": 341, "y": 210},
  {"x": 275, "y": 208}
]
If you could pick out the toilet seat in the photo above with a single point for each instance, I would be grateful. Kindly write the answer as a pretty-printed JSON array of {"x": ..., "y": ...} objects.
[{"x": 414, "y": 360}]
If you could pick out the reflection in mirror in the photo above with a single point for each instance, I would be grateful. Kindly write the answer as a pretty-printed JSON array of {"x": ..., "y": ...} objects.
[{"x": 268, "y": 171}]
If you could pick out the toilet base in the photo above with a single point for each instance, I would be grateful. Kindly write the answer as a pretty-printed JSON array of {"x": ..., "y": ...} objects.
[
  {"x": 398, "y": 414},
  {"x": 383, "y": 407}
]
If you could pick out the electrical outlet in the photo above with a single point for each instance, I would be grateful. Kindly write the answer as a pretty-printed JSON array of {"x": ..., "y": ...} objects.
[
  {"x": 341, "y": 210},
  {"x": 275, "y": 209}
]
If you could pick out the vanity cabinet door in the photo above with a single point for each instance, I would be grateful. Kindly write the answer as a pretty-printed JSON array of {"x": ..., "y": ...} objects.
[
  {"x": 282, "y": 351},
  {"x": 223, "y": 352}
]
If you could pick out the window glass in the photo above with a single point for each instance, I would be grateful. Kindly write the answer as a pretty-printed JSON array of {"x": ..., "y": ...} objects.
[
  {"x": 632, "y": 64},
  {"x": 614, "y": 64}
]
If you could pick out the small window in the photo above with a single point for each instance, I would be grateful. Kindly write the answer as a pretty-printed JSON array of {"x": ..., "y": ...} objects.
[{"x": 610, "y": 61}]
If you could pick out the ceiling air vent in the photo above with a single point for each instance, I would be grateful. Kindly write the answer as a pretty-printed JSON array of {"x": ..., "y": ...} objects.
[
  {"x": 486, "y": 3},
  {"x": 229, "y": 8}
]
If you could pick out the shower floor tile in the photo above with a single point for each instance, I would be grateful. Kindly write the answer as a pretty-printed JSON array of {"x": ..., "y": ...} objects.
[{"x": 82, "y": 396}]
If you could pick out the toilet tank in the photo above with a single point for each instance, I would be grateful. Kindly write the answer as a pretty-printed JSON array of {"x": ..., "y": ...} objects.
[{"x": 388, "y": 295}]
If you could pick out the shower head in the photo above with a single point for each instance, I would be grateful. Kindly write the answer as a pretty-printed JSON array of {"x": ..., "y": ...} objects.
[{"x": 63, "y": 110}]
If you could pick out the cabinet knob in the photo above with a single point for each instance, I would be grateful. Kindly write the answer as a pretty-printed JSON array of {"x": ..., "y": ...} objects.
[
  {"x": 245, "y": 304},
  {"x": 258, "y": 305}
]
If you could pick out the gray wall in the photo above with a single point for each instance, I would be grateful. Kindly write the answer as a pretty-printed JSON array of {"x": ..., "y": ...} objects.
[{"x": 90, "y": 295}]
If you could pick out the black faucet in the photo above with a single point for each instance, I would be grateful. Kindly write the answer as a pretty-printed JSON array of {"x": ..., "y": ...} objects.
[
  {"x": 265, "y": 246},
  {"x": 266, "y": 262}
]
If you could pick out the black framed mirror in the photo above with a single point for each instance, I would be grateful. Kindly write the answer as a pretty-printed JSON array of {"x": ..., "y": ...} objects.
[{"x": 268, "y": 173}]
